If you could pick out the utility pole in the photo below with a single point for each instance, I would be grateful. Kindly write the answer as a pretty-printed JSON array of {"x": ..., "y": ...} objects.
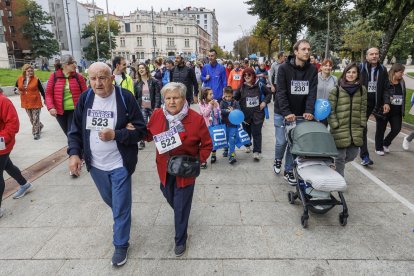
[
  {"x": 327, "y": 35},
  {"x": 79, "y": 29},
  {"x": 153, "y": 31},
  {"x": 96, "y": 31},
  {"x": 70, "y": 32},
  {"x": 109, "y": 30}
]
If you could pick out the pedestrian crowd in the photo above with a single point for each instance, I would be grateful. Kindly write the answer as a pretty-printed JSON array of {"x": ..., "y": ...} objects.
[{"x": 188, "y": 110}]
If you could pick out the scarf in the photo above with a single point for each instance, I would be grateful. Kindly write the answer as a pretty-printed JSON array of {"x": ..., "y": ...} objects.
[
  {"x": 351, "y": 88},
  {"x": 175, "y": 120}
]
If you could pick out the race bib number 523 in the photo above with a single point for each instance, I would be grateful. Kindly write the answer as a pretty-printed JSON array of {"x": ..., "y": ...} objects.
[
  {"x": 299, "y": 87},
  {"x": 98, "y": 119},
  {"x": 167, "y": 140}
]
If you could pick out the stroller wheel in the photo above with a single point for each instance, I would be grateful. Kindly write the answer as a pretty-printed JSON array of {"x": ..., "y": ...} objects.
[
  {"x": 291, "y": 197},
  {"x": 304, "y": 221},
  {"x": 343, "y": 219}
]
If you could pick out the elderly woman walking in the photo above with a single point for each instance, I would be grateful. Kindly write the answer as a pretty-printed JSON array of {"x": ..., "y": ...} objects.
[
  {"x": 30, "y": 89},
  {"x": 180, "y": 134}
]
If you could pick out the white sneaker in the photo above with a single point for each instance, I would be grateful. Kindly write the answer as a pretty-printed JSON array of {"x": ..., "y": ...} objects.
[
  {"x": 386, "y": 149},
  {"x": 247, "y": 149},
  {"x": 379, "y": 152},
  {"x": 256, "y": 156},
  {"x": 406, "y": 144}
]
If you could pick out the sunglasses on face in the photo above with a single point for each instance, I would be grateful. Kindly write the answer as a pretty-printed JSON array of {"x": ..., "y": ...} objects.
[{"x": 247, "y": 75}]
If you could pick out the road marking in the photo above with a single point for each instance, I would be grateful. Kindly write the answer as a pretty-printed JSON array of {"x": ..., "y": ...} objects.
[{"x": 384, "y": 186}]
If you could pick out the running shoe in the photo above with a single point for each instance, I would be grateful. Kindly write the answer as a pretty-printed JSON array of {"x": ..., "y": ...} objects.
[
  {"x": 379, "y": 152},
  {"x": 120, "y": 256},
  {"x": 290, "y": 178},
  {"x": 232, "y": 159},
  {"x": 366, "y": 161},
  {"x": 247, "y": 149},
  {"x": 386, "y": 149},
  {"x": 179, "y": 250},
  {"x": 203, "y": 165},
  {"x": 213, "y": 158},
  {"x": 406, "y": 144},
  {"x": 141, "y": 145},
  {"x": 26, "y": 188},
  {"x": 225, "y": 153},
  {"x": 276, "y": 166},
  {"x": 256, "y": 156}
]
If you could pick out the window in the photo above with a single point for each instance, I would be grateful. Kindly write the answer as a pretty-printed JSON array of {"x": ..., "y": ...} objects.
[
  {"x": 198, "y": 16},
  {"x": 2, "y": 38},
  {"x": 187, "y": 42},
  {"x": 1, "y": 13},
  {"x": 154, "y": 41},
  {"x": 205, "y": 16},
  {"x": 10, "y": 14},
  {"x": 154, "y": 29},
  {"x": 170, "y": 41},
  {"x": 8, "y": 2},
  {"x": 170, "y": 30},
  {"x": 205, "y": 21},
  {"x": 142, "y": 55},
  {"x": 122, "y": 41},
  {"x": 139, "y": 41},
  {"x": 127, "y": 27},
  {"x": 205, "y": 27},
  {"x": 15, "y": 45},
  {"x": 138, "y": 28},
  {"x": 137, "y": 17},
  {"x": 11, "y": 29},
  {"x": 186, "y": 30}
]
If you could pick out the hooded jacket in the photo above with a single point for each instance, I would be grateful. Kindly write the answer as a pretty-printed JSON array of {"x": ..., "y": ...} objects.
[
  {"x": 287, "y": 103},
  {"x": 9, "y": 123},
  {"x": 381, "y": 76}
]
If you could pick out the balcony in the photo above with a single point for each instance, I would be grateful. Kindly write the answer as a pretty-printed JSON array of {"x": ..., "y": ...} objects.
[{"x": 171, "y": 47}]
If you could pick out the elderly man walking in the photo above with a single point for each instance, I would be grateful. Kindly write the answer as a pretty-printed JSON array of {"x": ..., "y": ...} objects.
[{"x": 107, "y": 125}]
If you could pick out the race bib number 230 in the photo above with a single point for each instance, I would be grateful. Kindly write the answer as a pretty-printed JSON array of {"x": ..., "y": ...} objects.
[
  {"x": 299, "y": 87},
  {"x": 167, "y": 140}
]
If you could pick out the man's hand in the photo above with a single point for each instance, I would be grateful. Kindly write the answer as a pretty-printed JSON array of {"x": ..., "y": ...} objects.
[
  {"x": 308, "y": 116},
  {"x": 107, "y": 134},
  {"x": 195, "y": 99},
  {"x": 290, "y": 118},
  {"x": 208, "y": 77},
  {"x": 230, "y": 108},
  {"x": 262, "y": 105},
  {"x": 130, "y": 126},
  {"x": 75, "y": 164},
  {"x": 273, "y": 89},
  {"x": 53, "y": 112},
  {"x": 386, "y": 108}
]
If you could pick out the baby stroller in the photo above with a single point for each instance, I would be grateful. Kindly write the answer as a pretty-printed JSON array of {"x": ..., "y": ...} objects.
[{"x": 313, "y": 149}]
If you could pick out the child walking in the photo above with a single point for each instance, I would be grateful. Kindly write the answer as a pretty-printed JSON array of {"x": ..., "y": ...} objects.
[
  {"x": 226, "y": 106},
  {"x": 210, "y": 110}
]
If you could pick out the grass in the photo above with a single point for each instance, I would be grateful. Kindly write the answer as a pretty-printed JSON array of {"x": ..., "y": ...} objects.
[
  {"x": 408, "y": 118},
  {"x": 410, "y": 73},
  {"x": 8, "y": 77}
]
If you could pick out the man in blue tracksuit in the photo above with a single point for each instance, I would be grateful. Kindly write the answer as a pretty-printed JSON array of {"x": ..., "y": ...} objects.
[
  {"x": 214, "y": 75},
  {"x": 107, "y": 125}
]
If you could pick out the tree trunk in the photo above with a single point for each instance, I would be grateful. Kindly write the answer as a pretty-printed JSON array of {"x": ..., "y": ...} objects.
[
  {"x": 391, "y": 32},
  {"x": 269, "y": 48}
]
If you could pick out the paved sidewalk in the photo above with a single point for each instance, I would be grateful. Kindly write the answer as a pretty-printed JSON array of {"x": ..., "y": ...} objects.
[{"x": 241, "y": 222}]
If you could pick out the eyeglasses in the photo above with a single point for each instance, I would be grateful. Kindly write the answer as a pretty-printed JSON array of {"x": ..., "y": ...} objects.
[
  {"x": 100, "y": 78},
  {"x": 247, "y": 75},
  {"x": 72, "y": 62}
]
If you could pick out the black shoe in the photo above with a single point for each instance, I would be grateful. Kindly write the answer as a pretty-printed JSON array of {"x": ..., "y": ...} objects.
[
  {"x": 232, "y": 160},
  {"x": 276, "y": 166},
  {"x": 213, "y": 159},
  {"x": 203, "y": 165},
  {"x": 179, "y": 250},
  {"x": 36, "y": 136},
  {"x": 141, "y": 145},
  {"x": 225, "y": 153},
  {"x": 120, "y": 256},
  {"x": 290, "y": 177}
]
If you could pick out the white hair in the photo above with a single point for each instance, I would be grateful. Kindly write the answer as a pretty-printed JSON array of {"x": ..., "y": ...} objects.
[
  {"x": 100, "y": 66},
  {"x": 174, "y": 86}
]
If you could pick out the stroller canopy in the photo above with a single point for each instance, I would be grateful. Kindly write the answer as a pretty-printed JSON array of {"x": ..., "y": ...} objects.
[{"x": 312, "y": 139}]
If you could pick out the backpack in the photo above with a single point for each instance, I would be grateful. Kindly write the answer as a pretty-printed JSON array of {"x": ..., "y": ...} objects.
[{"x": 76, "y": 77}]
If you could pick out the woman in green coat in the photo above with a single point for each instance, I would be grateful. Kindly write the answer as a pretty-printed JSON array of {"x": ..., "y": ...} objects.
[{"x": 347, "y": 119}]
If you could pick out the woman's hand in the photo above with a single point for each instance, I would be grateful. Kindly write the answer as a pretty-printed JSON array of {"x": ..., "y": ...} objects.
[
  {"x": 262, "y": 105},
  {"x": 53, "y": 112}
]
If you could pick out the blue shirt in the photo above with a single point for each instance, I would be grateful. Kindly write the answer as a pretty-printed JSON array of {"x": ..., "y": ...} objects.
[{"x": 217, "y": 80}]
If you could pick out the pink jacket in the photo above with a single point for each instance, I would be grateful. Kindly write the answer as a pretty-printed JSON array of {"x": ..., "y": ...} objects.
[{"x": 205, "y": 111}]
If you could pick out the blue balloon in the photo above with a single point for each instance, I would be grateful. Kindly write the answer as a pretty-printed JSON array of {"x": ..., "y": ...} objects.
[
  {"x": 322, "y": 109},
  {"x": 236, "y": 117}
]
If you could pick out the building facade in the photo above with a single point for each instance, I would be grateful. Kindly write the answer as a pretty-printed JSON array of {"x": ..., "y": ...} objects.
[
  {"x": 204, "y": 42},
  {"x": 206, "y": 19},
  {"x": 146, "y": 34},
  {"x": 92, "y": 10}
]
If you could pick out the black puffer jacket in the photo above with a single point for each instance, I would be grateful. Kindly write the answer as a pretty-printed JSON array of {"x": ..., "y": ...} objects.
[
  {"x": 287, "y": 103},
  {"x": 185, "y": 75},
  {"x": 381, "y": 76},
  {"x": 154, "y": 90}
]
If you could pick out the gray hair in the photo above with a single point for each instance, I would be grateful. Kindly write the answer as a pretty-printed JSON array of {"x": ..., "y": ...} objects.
[
  {"x": 65, "y": 59},
  {"x": 100, "y": 66},
  {"x": 174, "y": 86}
]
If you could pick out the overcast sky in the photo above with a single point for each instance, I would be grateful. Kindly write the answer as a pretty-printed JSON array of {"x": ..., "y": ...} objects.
[{"x": 230, "y": 14}]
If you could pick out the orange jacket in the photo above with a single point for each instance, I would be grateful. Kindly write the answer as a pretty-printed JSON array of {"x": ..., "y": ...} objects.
[
  {"x": 30, "y": 97},
  {"x": 235, "y": 78}
]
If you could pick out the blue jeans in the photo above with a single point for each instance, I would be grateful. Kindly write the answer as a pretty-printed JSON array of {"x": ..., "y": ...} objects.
[
  {"x": 231, "y": 133},
  {"x": 115, "y": 189},
  {"x": 281, "y": 143},
  {"x": 146, "y": 113}
]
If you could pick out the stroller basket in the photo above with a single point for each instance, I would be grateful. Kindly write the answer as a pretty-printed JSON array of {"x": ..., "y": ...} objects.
[{"x": 311, "y": 139}]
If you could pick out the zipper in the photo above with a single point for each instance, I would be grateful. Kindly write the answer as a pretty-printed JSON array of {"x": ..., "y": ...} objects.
[{"x": 350, "y": 119}]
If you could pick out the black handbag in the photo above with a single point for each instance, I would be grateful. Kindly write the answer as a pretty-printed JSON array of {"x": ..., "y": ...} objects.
[
  {"x": 183, "y": 166},
  {"x": 378, "y": 112}
]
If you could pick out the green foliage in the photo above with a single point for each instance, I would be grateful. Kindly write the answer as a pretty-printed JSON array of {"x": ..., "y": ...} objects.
[
  {"x": 42, "y": 41},
  {"x": 403, "y": 44},
  {"x": 220, "y": 52},
  {"x": 265, "y": 30},
  {"x": 103, "y": 38}
]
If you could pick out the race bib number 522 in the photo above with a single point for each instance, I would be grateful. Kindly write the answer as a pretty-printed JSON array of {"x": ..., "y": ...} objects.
[
  {"x": 299, "y": 87},
  {"x": 167, "y": 140}
]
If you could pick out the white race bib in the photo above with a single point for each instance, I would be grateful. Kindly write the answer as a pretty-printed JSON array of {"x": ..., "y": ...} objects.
[
  {"x": 2, "y": 143},
  {"x": 98, "y": 119},
  {"x": 372, "y": 87},
  {"x": 252, "y": 101},
  {"x": 146, "y": 98},
  {"x": 396, "y": 100},
  {"x": 299, "y": 87},
  {"x": 236, "y": 77},
  {"x": 167, "y": 140}
]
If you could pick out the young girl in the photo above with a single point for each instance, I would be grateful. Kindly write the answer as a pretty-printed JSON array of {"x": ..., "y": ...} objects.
[{"x": 210, "y": 110}]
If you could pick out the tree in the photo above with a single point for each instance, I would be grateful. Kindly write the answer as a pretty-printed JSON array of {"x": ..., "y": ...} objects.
[
  {"x": 42, "y": 41},
  {"x": 265, "y": 30},
  {"x": 403, "y": 43},
  {"x": 386, "y": 16},
  {"x": 220, "y": 52},
  {"x": 103, "y": 39}
]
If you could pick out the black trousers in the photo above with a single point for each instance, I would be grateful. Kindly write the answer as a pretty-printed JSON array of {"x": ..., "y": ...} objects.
[
  {"x": 65, "y": 121},
  {"x": 255, "y": 132},
  {"x": 395, "y": 120},
  {"x": 180, "y": 200},
  {"x": 7, "y": 165},
  {"x": 363, "y": 150}
]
